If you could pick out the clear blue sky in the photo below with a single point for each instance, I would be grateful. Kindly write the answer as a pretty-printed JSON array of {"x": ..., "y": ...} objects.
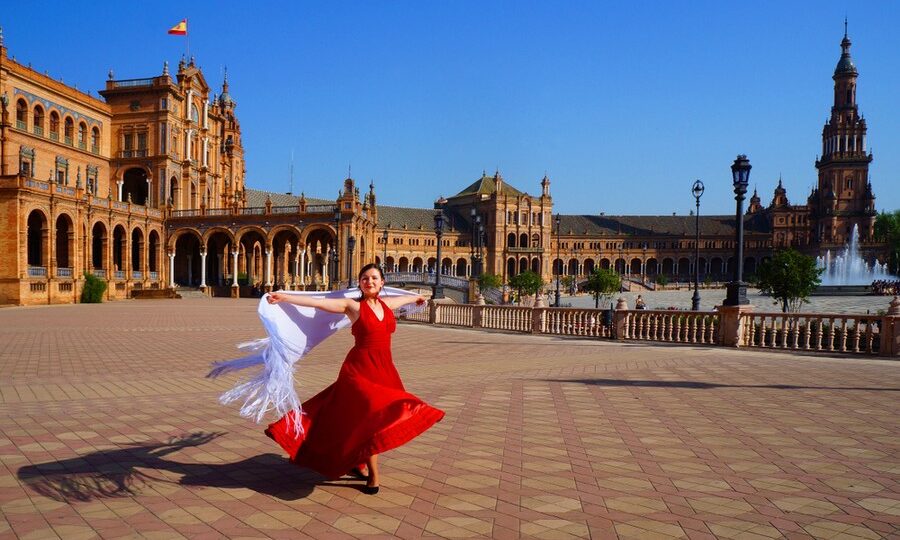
[{"x": 622, "y": 105}]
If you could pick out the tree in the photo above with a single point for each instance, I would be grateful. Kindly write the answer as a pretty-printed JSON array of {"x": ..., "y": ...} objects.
[
  {"x": 93, "y": 290},
  {"x": 527, "y": 282},
  {"x": 603, "y": 283},
  {"x": 887, "y": 230},
  {"x": 789, "y": 277},
  {"x": 489, "y": 281}
]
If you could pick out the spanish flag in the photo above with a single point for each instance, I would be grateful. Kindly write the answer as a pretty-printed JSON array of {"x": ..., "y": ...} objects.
[{"x": 179, "y": 29}]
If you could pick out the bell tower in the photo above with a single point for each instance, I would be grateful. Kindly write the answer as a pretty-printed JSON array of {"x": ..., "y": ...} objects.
[{"x": 844, "y": 195}]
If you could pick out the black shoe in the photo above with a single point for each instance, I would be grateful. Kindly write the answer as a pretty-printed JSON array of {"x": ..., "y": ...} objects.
[
  {"x": 356, "y": 472},
  {"x": 370, "y": 490}
]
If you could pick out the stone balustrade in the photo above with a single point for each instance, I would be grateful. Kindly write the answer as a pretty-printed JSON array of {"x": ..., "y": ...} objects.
[
  {"x": 857, "y": 334},
  {"x": 728, "y": 326}
]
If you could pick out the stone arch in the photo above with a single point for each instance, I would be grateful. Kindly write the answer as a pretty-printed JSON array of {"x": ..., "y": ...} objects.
[
  {"x": 523, "y": 240},
  {"x": 137, "y": 251},
  {"x": 403, "y": 265},
  {"x": 651, "y": 266},
  {"x": 99, "y": 246},
  {"x": 186, "y": 245},
  {"x": 38, "y": 245},
  {"x": 173, "y": 238},
  {"x": 684, "y": 267},
  {"x": 589, "y": 265},
  {"x": 153, "y": 253},
  {"x": 572, "y": 267},
  {"x": 510, "y": 267},
  {"x": 135, "y": 186},
  {"x": 309, "y": 230},
  {"x": 38, "y": 119},
  {"x": 605, "y": 263},
  {"x": 284, "y": 227},
  {"x": 119, "y": 245},
  {"x": 511, "y": 240},
  {"x": 64, "y": 242},
  {"x": 217, "y": 229},
  {"x": 523, "y": 264},
  {"x": 417, "y": 265},
  {"x": 249, "y": 229},
  {"x": 536, "y": 265},
  {"x": 462, "y": 267},
  {"x": 668, "y": 267}
]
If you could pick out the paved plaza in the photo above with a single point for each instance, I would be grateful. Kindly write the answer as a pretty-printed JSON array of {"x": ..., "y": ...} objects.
[{"x": 109, "y": 429}]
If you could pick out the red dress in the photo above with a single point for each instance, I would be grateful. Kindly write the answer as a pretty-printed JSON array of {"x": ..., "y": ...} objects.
[{"x": 364, "y": 412}]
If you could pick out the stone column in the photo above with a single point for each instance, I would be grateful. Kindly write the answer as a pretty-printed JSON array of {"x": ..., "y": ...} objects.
[
  {"x": 203, "y": 269},
  {"x": 268, "y": 269},
  {"x": 731, "y": 331},
  {"x": 119, "y": 185},
  {"x": 234, "y": 276},
  {"x": 172, "y": 269},
  {"x": 302, "y": 267}
]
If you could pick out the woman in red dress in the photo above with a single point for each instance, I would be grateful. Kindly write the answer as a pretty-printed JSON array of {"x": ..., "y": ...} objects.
[{"x": 366, "y": 411}]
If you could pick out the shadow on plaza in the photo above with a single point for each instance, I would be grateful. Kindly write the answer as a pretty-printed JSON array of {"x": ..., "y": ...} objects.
[
  {"x": 707, "y": 386},
  {"x": 123, "y": 472}
]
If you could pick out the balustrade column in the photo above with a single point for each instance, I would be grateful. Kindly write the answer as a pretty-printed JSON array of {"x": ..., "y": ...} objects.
[
  {"x": 234, "y": 277},
  {"x": 268, "y": 269}
]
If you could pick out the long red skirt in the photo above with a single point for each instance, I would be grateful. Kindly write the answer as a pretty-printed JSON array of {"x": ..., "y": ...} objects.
[{"x": 365, "y": 412}]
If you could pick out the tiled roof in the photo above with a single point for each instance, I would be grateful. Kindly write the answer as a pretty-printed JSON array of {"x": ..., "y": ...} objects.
[
  {"x": 257, "y": 198},
  {"x": 664, "y": 225},
  {"x": 486, "y": 185},
  {"x": 395, "y": 217}
]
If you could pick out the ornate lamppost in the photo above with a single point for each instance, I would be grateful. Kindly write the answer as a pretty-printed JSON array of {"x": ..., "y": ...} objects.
[
  {"x": 384, "y": 259},
  {"x": 476, "y": 238},
  {"x": 438, "y": 290},
  {"x": 697, "y": 191},
  {"x": 558, "y": 262},
  {"x": 351, "y": 244},
  {"x": 737, "y": 290}
]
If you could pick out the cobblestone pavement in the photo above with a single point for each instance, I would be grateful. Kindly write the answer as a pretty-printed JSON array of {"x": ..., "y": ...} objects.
[
  {"x": 108, "y": 429},
  {"x": 710, "y": 298}
]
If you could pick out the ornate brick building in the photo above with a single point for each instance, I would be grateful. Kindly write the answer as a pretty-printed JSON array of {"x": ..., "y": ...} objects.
[{"x": 146, "y": 190}]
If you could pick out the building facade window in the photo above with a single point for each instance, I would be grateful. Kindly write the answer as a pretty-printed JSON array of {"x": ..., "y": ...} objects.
[
  {"x": 26, "y": 161},
  {"x": 21, "y": 114},
  {"x": 54, "y": 125},
  {"x": 62, "y": 170},
  {"x": 38, "y": 120},
  {"x": 68, "y": 130}
]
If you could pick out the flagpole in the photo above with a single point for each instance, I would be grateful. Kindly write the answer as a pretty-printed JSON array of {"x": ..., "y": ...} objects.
[{"x": 187, "y": 34}]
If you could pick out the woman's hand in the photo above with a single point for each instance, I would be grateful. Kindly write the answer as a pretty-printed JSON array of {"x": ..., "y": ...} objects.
[
  {"x": 420, "y": 300},
  {"x": 274, "y": 298}
]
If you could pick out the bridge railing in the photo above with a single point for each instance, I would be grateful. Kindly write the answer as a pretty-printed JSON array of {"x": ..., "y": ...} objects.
[
  {"x": 728, "y": 326},
  {"x": 427, "y": 278}
]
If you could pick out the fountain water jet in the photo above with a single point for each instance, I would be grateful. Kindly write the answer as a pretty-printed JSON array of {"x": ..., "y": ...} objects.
[{"x": 849, "y": 268}]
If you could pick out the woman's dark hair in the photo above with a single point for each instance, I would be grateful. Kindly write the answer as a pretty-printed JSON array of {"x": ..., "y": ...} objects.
[{"x": 362, "y": 271}]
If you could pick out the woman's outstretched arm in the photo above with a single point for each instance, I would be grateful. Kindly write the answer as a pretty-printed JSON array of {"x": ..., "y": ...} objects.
[
  {"x": 396, "y": 302},
  {"x": 331, "y": 305}
]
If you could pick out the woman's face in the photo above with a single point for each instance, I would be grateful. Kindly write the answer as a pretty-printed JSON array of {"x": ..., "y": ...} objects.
[{"x": 370, "y": 282}]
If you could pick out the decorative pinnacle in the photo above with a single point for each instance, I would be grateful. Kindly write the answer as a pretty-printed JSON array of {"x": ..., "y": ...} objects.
[{"x": 165, "y": 67}]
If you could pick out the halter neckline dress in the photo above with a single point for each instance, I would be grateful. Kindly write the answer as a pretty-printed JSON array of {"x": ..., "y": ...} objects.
[{"x": 366, "y": 411}]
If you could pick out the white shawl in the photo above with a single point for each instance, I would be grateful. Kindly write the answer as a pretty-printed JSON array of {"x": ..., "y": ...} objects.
[{"x": 293, "y": 331}]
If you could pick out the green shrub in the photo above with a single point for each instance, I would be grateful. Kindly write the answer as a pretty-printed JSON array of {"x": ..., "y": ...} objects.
[
  {"x": 662, "y": 280},
  {"x": 93, "y": 290}
]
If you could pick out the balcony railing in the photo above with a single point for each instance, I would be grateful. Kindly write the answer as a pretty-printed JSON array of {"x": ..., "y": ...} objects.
[
  {"x": 118, "y": 274},
  {"x": 95, "y": 149},
  {"x": 82, "y": 145},
  {"x": 37, "y": 271},
  {"x": 54, "y": 136},
  {"x": 99, "y": 272},
  {"x": 38, "y": 130},
  {"x": 137, "y": 274},
  {"x": 525, "y": 249},
  {"x": 63, "y": 272},
  {"x": 139, "y": 153},
  {"x": 21, "y": 125},
  {"x": 153, "y": 276},
  {"x": 68, "y": 140},
  {"x": 131, "y": 83}
]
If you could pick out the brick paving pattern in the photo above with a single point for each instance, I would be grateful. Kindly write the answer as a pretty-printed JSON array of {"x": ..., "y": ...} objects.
[{"x": 109, "y": 430}]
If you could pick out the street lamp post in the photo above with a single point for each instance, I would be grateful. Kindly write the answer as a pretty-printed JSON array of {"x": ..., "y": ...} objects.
[
  {"x": 737, "y": 289},
  {"x": 384, "y": 259},
  {"x": 697, "y": 191},
  {"x": 438, "y": 291},
  {"x": 644, "y": 264},
  {"x": 476, "y": 233},
  {"x": 351, "y": 244},
  {"x": 558, "y": 261}
]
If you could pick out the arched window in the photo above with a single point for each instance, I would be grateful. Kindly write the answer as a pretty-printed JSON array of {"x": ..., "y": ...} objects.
[
  {"x": 82, "y": 135},
  {"x": 54, "y": 125},
  {"x": 95, "y": 140},
  {"x": 38, "y": 120},
  {"x": 21, "y": 114},
  {"x": 69, "y": 130}
]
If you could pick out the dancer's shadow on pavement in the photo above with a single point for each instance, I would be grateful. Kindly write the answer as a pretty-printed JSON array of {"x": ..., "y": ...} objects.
[
  {"x": 124, "y": 471},
  {"x": 707, "y": 385}
]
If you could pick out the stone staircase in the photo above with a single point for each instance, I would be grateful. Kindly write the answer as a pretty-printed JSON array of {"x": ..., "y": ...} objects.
[{"x": 190, "y": 292}]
